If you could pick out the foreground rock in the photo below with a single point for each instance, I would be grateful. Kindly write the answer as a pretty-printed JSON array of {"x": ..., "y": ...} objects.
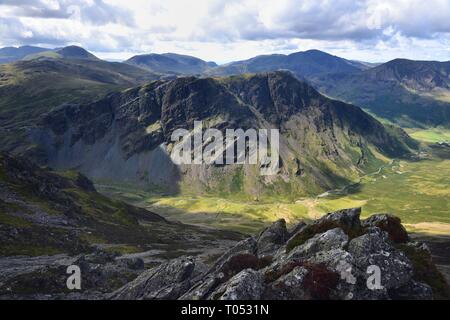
[{"x": 336, "y": 257}]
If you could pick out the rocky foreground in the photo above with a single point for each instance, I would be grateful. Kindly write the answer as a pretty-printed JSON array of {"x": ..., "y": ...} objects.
[
  {"x": 336, "y": 257},
  {"x": 331, "y": 258}
]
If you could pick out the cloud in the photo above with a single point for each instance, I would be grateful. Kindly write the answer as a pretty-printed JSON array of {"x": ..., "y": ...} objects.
[
  {"x": 96, "y": 12},
  {"x": 231, "y": 29}
]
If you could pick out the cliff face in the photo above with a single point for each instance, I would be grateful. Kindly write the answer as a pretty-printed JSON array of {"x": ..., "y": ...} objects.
[{"x": 127, "y": 135}]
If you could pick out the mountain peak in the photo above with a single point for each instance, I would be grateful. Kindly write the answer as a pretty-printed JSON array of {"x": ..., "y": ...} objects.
[
  {"x": 171, "y": 63},
  {"x": 75, "y": 52}
]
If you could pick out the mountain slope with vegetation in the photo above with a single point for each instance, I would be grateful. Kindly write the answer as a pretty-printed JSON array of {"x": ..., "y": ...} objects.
[
  {"x": 171, "y": 64},
  {"x": 304, "y": 65},
  {"x": 11, "y": 54},
  {"x": 31, "y": 88},
  {"x": 43, "y": 213},
  {"x": 410, "y": 93},
  {"x": 126, "y": 136}
]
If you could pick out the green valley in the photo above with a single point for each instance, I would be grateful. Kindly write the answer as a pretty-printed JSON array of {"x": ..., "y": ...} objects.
[{"x": 416, "y": 191}]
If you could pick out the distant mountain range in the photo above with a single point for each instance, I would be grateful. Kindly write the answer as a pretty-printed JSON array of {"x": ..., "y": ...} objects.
[
  {"x": 31, "y": 87},
  {"x": 306, "y": 64},
  {"x": 70, "y": 52},
  {"x": 11, "y": 54},
  {"x": 171, "y": 63},
  {"x": 410, "y": 93},
  {"x": 68, "y": 102}
]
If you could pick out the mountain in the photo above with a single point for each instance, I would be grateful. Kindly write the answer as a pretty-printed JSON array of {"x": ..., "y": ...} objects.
[
  {"x": 421, "y": 76},
  {"x": 49, "y": 221},
  {"x": 171, "y": 63},
  {"x": 32, "y": 87},
  {"x": 70, "y": 52},
  {"x": 306, "y": 64},
  {"x": 410, "y": 93},
  {"x": 126, "y": 136},
  {"x": 11, "y": 54}
]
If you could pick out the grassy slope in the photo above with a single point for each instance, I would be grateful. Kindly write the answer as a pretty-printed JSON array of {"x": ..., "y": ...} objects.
[
  {"x": 432, "y": 135},
  {"x": 418, "y": 192},
  {"x": 96, "y": 219},
  {"x": 28, "y": 89}
]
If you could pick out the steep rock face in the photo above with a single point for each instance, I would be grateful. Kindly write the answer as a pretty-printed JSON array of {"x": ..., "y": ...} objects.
[
  {"x": 332, "y": 265},
  {"x": 127, "y": 136}
]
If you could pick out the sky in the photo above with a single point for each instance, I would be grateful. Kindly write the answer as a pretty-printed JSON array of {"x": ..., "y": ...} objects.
[{"x": 229, "y": 30}]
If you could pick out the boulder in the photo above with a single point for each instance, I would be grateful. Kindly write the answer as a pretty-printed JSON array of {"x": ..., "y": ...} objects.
[
  {"x": 329, "y": 240},
  {"x": 335, "y": 257},
  {"x": 347, "y": 220},
  {"x": 246, "y": 285},
  {"x": 289, "y": 286},
  {"x": 374, "y": 249},
  {"x": 168, "y": 281},
  {"x": 271, "y": 239},
  {"x": 389, "y": 223}
]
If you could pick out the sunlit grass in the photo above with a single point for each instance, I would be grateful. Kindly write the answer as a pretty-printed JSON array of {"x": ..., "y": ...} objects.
[
  {"x": 417, "y": 192},
  {"x": 432, "y": 135}
]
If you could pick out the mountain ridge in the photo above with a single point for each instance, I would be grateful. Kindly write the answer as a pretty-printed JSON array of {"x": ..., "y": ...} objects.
[
  {"x": 171, "y": 63},
  {"x": 128, "y": 129}
]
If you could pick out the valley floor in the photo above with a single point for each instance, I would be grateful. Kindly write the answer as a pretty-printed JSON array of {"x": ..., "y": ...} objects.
[{"x": 416, "y": 191}]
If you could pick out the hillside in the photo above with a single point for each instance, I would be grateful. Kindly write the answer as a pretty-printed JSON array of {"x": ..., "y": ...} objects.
[
  {"x": 30, "y": 88},
  {"x": 43, "y": 212},
  {"x": 50, "y": 220},
  {"x": 306, "y": 64},
  {"x": 171, "y": 63},
  {"x": 120, "y": 138},
  {"x": 406, "y": 92},
  {"x": 69, "y": 52},
  {"x": 11, "y": 54},
  {"x": 410, "y": 93}
]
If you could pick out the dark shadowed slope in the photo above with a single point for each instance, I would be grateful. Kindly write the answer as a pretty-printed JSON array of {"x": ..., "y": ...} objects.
[{"x": 30, "y": 88}]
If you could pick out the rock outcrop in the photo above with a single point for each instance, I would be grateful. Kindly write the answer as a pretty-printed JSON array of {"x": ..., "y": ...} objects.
[
  {"x": 336, "y": 257},
  {"x": 127, "y": 136}
]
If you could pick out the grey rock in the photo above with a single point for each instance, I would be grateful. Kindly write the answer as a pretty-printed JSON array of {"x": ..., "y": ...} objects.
[
  {"x": 346, "y": 219},
  {"x": 332, "y": 239},
  {"x": 272, "y": 238},
  {"x": 413, "y": 291},
  {"x": 390, "y": 224},
  {"x": 289, "y": 286},
  {"x": 246, "y": 285},
  {"x": 374, "y": 249},
  {"x": 298, "y": 227},
  {"x": 168, "y": 281},
  {"x": 247, "y": 246}
]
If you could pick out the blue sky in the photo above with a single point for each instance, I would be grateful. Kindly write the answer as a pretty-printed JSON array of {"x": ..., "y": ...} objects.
[{"x": 226, "y": 30}]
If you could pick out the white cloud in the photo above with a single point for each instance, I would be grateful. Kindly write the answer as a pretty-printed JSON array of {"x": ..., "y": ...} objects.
[{"x": 225, "y": 30}]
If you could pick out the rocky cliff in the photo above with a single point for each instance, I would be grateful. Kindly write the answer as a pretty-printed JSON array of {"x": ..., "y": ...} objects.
[{"x": 126, "y": 136}]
